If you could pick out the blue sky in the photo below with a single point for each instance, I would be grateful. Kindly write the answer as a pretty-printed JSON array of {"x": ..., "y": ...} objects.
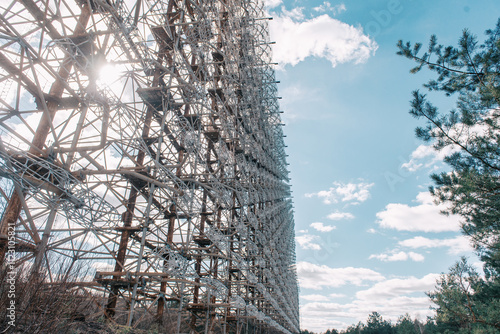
[{"x": 368, "y": 236}]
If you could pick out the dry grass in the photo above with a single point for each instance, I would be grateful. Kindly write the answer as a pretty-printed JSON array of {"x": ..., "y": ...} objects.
[
  {"x": 60, "y": 306},
  {"x": 42, "y": 307}
]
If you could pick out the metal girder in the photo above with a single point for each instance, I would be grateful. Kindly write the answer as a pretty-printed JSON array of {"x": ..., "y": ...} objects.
[{"x": 145, "y": 143}]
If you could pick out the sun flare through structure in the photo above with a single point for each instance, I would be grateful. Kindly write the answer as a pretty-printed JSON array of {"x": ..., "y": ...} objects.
[{"x": 142, "y": 141}]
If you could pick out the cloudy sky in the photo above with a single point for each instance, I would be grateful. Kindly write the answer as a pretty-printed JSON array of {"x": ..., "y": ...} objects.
[{"x": 369, "y": 237}]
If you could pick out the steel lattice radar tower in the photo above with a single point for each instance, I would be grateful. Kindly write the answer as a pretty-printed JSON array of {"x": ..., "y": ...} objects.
[{"x": 142, "y": 140}]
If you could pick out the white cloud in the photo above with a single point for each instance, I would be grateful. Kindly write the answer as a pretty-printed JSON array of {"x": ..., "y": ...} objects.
[
  {"x": 398, "y": 256},
  {"x": 397, "y": 296},
  {"x": 391, "y": 298},
  {"x": 425, "y": 217},
  {"x": 458, "y": 245},
  {"x": 420, "y": 153},
  {"x": 397, "y": 287},
  {"x": 309, "y": 317},
  {"x": 316, "y": 298},
  {"x": 318, "y": 317},
  {"x": 313, "y": 276},
  {"x": 321, "y": 36},
  {"x": 296, "y": 14},
  {"x": 371, "y": 230},
  {"x": 337, "y": 215},
  {"x": 327, "y": 7},
  {"x": 426, "y": 156},
  {"x": 392, "y": 308},
  {"x": 353, "y": 193},
  {"x": 322, "y": 228},
  {"x": 306, "y": 242},
  {"x": 272, "y": 3},
  {"x": 21, "y": 130}
]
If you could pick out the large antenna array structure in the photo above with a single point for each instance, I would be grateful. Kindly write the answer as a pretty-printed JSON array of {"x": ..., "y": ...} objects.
[{"x": 143, "y": 139}]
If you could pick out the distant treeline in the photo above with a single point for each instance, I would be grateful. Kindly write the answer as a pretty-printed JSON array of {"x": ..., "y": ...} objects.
[{"x": 375, "y": 324}]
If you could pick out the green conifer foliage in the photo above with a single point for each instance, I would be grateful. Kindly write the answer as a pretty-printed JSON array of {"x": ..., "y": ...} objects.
[{"x": 466, "y": 301}]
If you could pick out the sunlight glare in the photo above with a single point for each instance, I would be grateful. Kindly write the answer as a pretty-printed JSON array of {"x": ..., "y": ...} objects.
[{"x": 108, "y": 75}]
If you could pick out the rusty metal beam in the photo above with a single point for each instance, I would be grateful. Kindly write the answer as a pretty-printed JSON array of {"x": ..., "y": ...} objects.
[{"x": 14, "y": 206}]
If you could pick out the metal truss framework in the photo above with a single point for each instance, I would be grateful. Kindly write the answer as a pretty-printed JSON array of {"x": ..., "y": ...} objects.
[{"x": 143, "y": 139}]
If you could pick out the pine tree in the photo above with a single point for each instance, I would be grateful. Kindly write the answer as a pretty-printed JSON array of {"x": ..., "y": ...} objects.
[
  {"x": 377, "y": 325},
  {"x": 471, "y": 132},
  {"x": 405, "y": 325},
  {"x": 467, "y": 302}
]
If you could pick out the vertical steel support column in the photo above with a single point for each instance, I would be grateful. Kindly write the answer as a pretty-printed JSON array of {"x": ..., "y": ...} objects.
[{"x": 13, "y": 209}]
